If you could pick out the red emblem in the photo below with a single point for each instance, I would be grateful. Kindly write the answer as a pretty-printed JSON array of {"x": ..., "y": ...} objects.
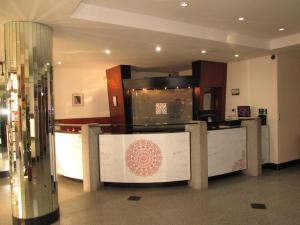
[{"x": 143, "y": 158}]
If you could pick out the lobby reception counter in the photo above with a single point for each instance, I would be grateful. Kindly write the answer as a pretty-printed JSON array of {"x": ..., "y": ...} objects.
[
  {"x": 226, "y": 150},
  {"x": 97, "y": 155},
  {"x": 144, "y": 158}
]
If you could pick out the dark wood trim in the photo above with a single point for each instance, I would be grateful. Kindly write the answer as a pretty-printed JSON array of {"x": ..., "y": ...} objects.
[
  {"x": 226, "y": 175},
  {"x": 280, "y": 166},
  {"x": 42, "y": 220},
  {"x": 143, "y": 185},
  {"x": 100, "y": 120},
  {"x": 196, "y": 102},
  {"x": 161, "y": 82}
]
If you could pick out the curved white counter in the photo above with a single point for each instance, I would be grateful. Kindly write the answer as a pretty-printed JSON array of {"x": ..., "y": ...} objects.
[
  {"x": 68, "y": 148},
  {"x": 151, "y": 157}
]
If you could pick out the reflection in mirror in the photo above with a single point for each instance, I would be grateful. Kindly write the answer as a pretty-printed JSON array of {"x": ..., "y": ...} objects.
[
  {"x": 30, "y": 124},
  {"x": 4, "y": 163}
]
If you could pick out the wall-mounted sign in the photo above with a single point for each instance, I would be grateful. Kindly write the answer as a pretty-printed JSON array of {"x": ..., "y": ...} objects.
[
  {"x": 235, "y": 91},
  {"x": 115, "y": 101}
]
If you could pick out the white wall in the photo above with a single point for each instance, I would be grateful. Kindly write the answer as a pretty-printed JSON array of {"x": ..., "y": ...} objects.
[
  {"x": 90, "y": 82},
  {"x": 289, "y": 108},
  {"x": 237, "y": 77},
  {"x": 257, "y": 80}
]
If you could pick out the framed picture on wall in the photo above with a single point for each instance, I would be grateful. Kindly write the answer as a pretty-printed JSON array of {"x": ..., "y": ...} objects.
[{"x": 77, "y": 99}]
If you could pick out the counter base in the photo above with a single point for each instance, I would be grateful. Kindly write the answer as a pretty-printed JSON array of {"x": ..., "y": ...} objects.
[
  {"x": 142, "y": 185},
  {"x": 280, "y": 166}
]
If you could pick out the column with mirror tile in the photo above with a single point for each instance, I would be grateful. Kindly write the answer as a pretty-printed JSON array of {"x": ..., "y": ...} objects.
[{"x": 30, "y": 129}]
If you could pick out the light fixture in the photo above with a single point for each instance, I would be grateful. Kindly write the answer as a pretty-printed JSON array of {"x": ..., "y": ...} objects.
[
  {"x": 236, "y": 55},
  {"x": 281, "y": 29},
  {"x": 59, "y": 62},
  {"x": 107, "y": 51},
  {"x": 241, "y": 18},
  {"x": 184, "y": 4},
  {"x": 203, "y": 51},
  {"x": 165, "y": 88},
  {"x": 158, "y": 48}
]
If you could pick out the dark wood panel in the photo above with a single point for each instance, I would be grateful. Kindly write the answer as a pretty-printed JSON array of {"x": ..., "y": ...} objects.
[
  {"x": 99, "y": 120},
  {"x": 161, "y": 82},
  {"x": 120, "y": 114},
  {"x": 196, "y": 103},
  {"x": 114, "y": 88},
  {"x": 212, "y": 76}
]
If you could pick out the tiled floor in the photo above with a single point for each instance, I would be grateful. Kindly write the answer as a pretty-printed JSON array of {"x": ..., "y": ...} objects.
[{"x": 226, "y": 202}]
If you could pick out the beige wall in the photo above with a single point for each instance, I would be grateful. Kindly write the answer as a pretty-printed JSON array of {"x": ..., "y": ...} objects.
[
  {"x": 237, "y": 77},
  {"x": 257, "y": 80},
  {"x": 289, "y": 108},
  {"x": 90, "y": 82}
]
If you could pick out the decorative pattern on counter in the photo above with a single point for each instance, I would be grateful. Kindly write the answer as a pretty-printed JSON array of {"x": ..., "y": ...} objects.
[
  {"x": 161, "y": 109},
  {"x": 143, "y": 158}
]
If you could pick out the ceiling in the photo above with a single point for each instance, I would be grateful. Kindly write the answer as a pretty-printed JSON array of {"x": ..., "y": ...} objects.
[{"x": 131, "y": 29}]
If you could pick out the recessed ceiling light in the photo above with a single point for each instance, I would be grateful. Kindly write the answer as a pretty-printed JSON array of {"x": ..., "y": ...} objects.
[
  {"x": 236, "y": 55},
  {"x": 281, "y": 29},
  {"x": 184, "y": 4},
  {"x": 241, "y": 18},
  {"x": 158, "y": 48},
  {"x": 107, "y": 51},
  {"x": 203, "y": 51},
  {"x": 59, "y": 62}
]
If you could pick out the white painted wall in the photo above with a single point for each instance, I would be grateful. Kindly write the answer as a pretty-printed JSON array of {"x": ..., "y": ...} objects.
[
  {"x": 237, "y": 77},
  {"x": 289, "y": 108},
  {"x": 257, "y": 80},
  {"x": 89, "y": 81}
]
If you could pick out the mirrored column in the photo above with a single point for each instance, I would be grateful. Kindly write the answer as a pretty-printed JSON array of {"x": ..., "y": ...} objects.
[{"x": 30, "y": 124}]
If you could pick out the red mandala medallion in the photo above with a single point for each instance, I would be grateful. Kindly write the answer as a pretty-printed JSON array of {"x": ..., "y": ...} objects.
[{"x": 143, "y": 158}]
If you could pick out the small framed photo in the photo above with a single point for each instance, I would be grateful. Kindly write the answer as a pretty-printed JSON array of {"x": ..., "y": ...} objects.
[
  {"x": 77, "y": 99},
  {"x": 235, "y": 91}
]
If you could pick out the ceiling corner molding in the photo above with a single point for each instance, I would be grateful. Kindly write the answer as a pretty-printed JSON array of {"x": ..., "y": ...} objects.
[
  {"x": 100, "y": 14},
  {"x": 286, "y": 41}
]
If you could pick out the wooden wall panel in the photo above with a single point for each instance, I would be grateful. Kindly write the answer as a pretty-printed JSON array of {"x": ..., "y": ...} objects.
[
  {"x": 118, "y": 113},
  {"x": 114, "y": 88},
  {"x": 212, "y": 75}
]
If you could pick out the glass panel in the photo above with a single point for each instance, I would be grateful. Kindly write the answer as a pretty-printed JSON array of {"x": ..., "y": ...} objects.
[
  {"x": 162, "y": 106},
  {"x": 207, "y": 101}
]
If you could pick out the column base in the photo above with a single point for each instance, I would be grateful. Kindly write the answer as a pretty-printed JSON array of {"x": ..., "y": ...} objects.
[
  {"x": 42, "y": 220},
  {"x": 4, "y": 174}
]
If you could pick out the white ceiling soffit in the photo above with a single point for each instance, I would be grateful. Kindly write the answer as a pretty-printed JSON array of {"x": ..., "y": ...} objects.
[
  {"x": 101, "y": 14},
  {"x": 287, "y": 41}
]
